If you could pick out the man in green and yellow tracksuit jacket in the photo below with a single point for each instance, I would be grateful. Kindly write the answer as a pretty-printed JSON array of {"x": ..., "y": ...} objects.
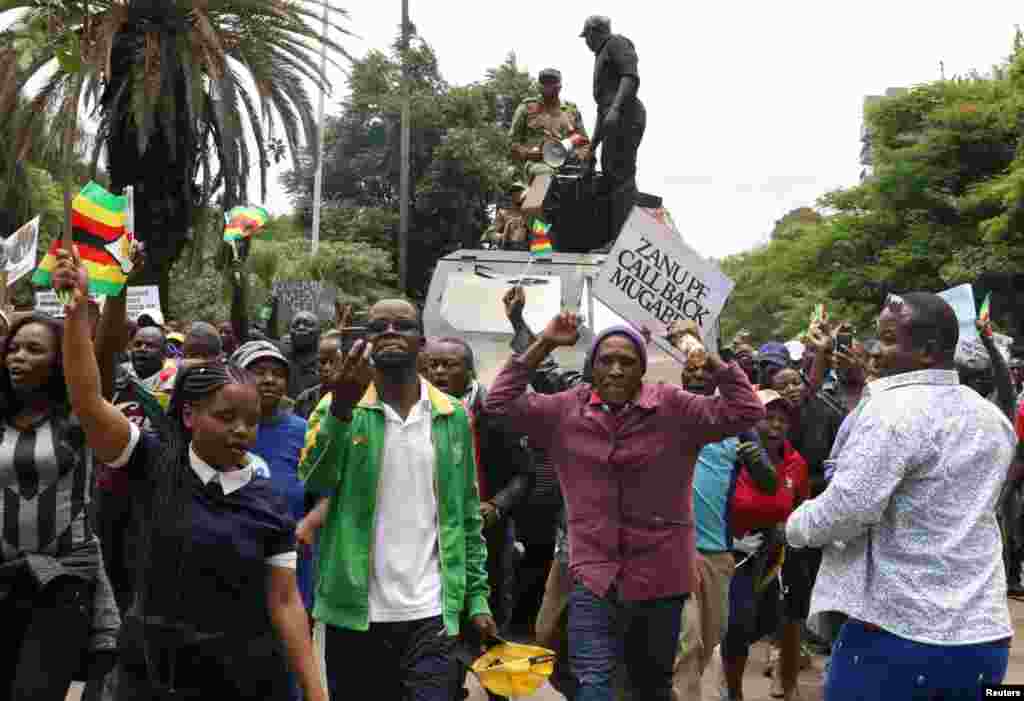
[{"x": 402, "y": 558}]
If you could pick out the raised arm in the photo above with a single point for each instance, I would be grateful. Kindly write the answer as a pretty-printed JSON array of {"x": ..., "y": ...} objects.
[
  {"x": 239, "y": 300},
  {"x": 1005, "y": 396},
  {"x": 732, "y": 411},
  {"x": 107, "y": 431},
  {"x": 533, "y": 414},
  {"x": 548, "y": 377},
  {"x": 327, "y": 444}
]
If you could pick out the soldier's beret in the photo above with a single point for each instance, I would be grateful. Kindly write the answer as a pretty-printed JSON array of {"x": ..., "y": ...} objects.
[
  {"x": 598, "y": 23},
  {"x": 550, "y": 74}
]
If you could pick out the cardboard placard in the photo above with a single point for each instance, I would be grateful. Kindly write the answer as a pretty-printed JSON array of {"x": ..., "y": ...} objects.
[
  {"x": 304, "y": 295},
  {"x": 653, "y": 277},
  {"x": 22, "y": 249}
]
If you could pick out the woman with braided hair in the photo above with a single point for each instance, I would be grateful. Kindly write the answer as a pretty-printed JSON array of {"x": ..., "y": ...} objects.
[{"x": 216, "y": 598}]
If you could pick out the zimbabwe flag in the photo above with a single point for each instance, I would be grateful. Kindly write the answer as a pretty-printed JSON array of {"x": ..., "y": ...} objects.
[
  {"x": 243, "y": 222},
  {"x": 97, "y": 228},
  {"x": 540, "y": 243}
]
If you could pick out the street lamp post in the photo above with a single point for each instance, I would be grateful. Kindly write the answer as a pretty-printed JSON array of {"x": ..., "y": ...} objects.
[
  {"x": 318, "y": 179},
  {"x": 403, "y": 221}
]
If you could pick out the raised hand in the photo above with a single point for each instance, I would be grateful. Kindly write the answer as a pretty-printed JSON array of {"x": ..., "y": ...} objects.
[
  {"x": 138, "y": 261},
  {"x": 563, "y": 330},
  {"x": 70, "y": 280},
  {"x": 818, "y": 338},
  {"x": 342, "y": 315},
  {"x": 350, "y": 377},
  {"x": 984, "y": 327},
  {"x": 514, "y": 301}
]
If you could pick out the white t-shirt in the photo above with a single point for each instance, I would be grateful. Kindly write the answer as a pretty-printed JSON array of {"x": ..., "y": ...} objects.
[{"x": 405, "y": 569}]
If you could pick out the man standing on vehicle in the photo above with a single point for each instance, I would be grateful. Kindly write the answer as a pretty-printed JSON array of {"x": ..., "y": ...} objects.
[
  {"x": 542, "y": 119},
  {"x": 621, "y": 117}
]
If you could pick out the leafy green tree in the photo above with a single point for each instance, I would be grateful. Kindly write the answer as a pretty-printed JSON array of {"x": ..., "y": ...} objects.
[
  {"x": 171, "y": 82},
  {"x": 459, "y": 155},
  {"x": 942, "y": 207}
]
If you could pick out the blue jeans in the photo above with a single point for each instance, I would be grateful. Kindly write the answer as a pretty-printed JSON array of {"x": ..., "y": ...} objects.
[
  {"x": 606, "y": 630},
  {"x": 867, "y": 665}
]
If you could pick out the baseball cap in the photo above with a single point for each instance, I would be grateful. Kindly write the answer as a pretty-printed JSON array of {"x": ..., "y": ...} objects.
[
  {"x": 598, "y": 22},
  {"x": 550, "y": 74},
  {"x": 774, "y": 353},
  {"x": 249, "y": 353}
]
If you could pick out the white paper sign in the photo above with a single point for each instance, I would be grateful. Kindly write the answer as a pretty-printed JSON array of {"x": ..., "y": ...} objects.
[
  {"x": 21, "y": 249},
  {"x": 970, "y": 351},
  {"x": 139, "y": 298},
  {"x": 653, "y": 277},
  {"x": 46, "y": 302}
]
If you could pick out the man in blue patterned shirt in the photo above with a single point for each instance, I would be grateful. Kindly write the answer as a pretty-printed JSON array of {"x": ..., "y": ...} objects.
[{"x": 908, "y": 523}]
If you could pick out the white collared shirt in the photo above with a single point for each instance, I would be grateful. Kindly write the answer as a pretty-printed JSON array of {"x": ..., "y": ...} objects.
[
  {"x": 230, "y": 482},
  {"x": 405, "y": 575}
]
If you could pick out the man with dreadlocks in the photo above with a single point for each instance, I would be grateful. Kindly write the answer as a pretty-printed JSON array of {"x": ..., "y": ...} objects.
[{"x": 215, "y": 592}]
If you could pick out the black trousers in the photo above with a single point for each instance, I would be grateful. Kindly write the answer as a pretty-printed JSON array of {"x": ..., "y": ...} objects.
[
  {"x": 45, "y": 635},
  {"x": 619, "y": 147},
  {"x": 235, "y": 669},
  {"x": 408, "y": 661}
]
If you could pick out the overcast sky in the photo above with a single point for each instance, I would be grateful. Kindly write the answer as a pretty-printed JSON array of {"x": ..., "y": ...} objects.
[{"x": 753, "y": 108}]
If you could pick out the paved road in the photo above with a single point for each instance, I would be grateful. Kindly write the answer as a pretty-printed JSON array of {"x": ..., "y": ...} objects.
[{"x": 756, "y": 686}]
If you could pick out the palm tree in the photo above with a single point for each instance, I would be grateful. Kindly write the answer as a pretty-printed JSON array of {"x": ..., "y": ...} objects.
[{"x": 181, "y": 90}]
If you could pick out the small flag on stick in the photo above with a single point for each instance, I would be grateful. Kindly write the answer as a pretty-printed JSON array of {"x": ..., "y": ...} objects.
[
  {"x": 98, "y": 230},
  {"x": 540, "y": 244},
  {"x": 243, "y": 222},
  {"x": 985, "y": 314}
]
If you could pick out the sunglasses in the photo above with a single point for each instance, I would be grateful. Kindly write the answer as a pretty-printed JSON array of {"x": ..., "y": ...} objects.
[{"x": 376, "y": 327}]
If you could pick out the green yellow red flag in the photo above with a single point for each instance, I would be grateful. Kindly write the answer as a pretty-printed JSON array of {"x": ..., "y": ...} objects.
[
  {"x": 243, "y": 221},
  {"x": 98, "y": 231}
]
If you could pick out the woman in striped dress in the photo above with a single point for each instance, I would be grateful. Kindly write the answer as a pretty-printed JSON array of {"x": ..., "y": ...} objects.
[{"x": 50, "y": 564}]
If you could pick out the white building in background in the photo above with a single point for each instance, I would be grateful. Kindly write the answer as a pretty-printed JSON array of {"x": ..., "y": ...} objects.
[{"x": 865, "y": 131}]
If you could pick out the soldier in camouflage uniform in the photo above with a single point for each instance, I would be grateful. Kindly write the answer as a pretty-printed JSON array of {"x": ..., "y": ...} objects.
[
  {"x": 509, "y": 228},
  {"x": 546, "y": 118}
]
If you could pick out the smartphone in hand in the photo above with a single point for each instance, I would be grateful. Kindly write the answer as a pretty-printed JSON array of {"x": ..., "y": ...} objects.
[{"x": 844, "y": 341}]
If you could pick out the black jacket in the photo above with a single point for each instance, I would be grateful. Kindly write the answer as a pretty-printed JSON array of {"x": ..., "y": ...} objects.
[
  {"x": 506, "y": 463},
  {"x": 814, "y": 435}
]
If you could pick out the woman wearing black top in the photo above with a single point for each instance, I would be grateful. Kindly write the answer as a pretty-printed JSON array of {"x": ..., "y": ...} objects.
[{"x": 215, "y": 591}]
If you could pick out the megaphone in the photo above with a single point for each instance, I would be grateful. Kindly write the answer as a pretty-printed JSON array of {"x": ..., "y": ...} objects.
[{"x": 556, "y": 153}]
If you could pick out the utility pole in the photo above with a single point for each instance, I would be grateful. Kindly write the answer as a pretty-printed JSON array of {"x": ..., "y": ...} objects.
[
  {"x": 318, "y": 179},
  {"x": 403, "y": 221}
]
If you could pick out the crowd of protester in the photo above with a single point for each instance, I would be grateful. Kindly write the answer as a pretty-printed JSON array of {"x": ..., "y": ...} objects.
[{"x": 194, "y": 510}]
